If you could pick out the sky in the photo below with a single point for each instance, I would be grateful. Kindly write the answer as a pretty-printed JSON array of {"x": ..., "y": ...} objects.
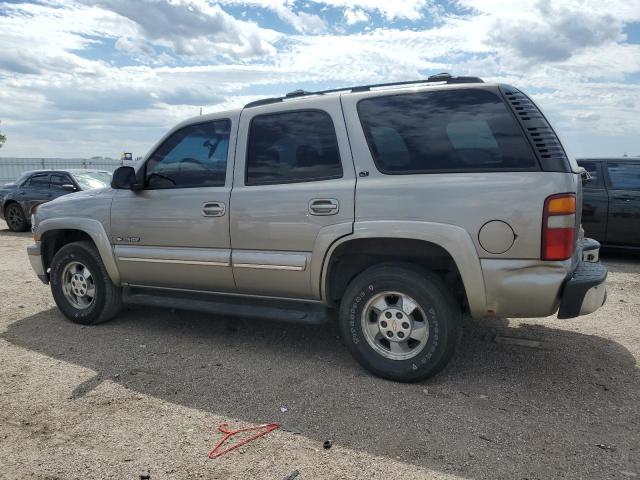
[{"x": 100, "y": 77}]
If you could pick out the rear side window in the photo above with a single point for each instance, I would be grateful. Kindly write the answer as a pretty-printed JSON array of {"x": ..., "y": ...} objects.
[
  {"x": 453, "y": 130},
  {"x": 194, "y": 156},
  {"x": 624, "y": 176},
  {"x": 39, "y": 181},
  {"x": 290, "y": 147}
]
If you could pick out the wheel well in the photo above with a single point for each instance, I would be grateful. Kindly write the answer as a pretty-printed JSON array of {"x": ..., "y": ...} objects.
[
  {"x": 355, "y": 256},
  {"x": 54, "y": 240}
]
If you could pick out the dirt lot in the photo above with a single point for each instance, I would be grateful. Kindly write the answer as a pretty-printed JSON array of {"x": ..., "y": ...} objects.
[{"x": 146, "y": 392}]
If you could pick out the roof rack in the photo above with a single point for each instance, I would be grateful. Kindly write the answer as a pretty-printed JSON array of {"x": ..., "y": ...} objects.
[{"x": 439, "y": 78}]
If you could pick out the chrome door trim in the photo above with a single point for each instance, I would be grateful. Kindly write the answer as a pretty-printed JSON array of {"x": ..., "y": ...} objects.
[
  {"x": 269, "y": 267},
  {"x": 290, "y": 261},
  {"x": 181, "y": 262}
]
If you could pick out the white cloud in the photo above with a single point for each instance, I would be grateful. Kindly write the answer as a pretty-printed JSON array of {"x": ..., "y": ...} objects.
[
  {"x": 59, "y": 95},
  {"x": 355, "y": 15}
]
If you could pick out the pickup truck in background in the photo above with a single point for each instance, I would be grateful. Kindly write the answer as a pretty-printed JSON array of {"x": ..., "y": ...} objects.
[{"x": 611, "y": 201}]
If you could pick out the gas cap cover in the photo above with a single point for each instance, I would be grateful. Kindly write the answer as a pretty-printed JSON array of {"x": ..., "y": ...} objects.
[{"x": 496, "y": 236}]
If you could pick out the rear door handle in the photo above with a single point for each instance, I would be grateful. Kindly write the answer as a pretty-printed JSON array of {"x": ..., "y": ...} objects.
[
  {"x": 213, "y": 209},
  {"x": 626, "y": 199},
  {"x": 324, "y": 206}
]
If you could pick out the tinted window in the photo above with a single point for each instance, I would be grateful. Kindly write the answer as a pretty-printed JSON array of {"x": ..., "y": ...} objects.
[
  {"x": 39, "y": 181},
  {"x": 292, "y": 147},
  {"x": 58, "y": 180},
  {"x": 457, "y": 130},
  {"x": 592, "y": 168},
  {"x": 194, "y": 156},
  {"x": 624, "y": 176}
]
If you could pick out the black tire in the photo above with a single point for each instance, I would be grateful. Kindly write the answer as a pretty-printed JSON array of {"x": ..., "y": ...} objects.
[
  {"x": 15, "y": 217},
  {"x": 443, "y": 316},
  {"x": 107, "y": 300}
]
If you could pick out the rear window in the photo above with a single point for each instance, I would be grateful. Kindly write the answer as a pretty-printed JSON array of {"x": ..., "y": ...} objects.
[{"x": 452, "y": 130}]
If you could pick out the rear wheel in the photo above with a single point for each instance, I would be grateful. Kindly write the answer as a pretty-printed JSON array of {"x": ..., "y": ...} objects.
[
  {"x": 81, "y": 286},
  {"x": 16, "y": 219},
  {"x": 400, "y": 322}
]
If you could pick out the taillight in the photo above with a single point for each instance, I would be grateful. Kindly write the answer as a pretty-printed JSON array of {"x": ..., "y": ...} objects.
[{"x": 559, "y": 227}]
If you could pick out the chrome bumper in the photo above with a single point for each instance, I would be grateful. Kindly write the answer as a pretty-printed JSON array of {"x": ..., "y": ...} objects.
[{"x": 35, "y": 258}]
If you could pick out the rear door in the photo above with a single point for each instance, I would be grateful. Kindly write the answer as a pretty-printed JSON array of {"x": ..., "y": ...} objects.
[
  {"x": 595, "y": 203},
  {"x": 624, "y": 203},
  {"x": 35, "y": 191},
  {"x": 293, "y": 193},
  {"x": 175, "y": 232}
]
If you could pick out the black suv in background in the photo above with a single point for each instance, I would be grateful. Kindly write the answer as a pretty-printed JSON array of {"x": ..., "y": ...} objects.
[{"x": 611, "y": 201}]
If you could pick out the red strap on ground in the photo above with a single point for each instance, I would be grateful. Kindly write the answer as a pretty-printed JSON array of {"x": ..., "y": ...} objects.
[{"x": 260, "y": 429}]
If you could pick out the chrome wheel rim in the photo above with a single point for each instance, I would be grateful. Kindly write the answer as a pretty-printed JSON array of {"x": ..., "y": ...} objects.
[
  {"x": 78, "y": 285},
  {"x": 13, "y": 216},
  {"x": 394, "y": 325}
]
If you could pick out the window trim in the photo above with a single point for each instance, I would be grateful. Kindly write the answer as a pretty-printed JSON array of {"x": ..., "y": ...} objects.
[
  {"x": 287, "y": 182},
  {"x": 143, "y": 169},
  {"x": 534, "y": 168},
  {"x": 31, "y": 177}
]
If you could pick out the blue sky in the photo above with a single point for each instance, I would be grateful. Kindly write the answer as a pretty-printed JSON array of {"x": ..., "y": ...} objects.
[{"x": 99, "y": 77}]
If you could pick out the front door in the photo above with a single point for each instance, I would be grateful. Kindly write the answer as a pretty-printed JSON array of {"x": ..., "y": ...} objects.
[
  {"x": 293, "y": 190},
  {"x": 624, "y": 203},
  {"x": 175, "y": 232}
]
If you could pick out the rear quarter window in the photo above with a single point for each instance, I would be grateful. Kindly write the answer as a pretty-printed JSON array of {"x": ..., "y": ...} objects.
[{"x": 444, "y": 131}]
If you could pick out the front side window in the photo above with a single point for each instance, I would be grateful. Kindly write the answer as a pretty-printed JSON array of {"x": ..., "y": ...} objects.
[
  {"x": 58, "y": 180},
  {"x": 624, "y": 176},
  {"x": 447, "y": 130},
  {"x": 292, "y": 147},
  {"x": 194, "y": 156}
]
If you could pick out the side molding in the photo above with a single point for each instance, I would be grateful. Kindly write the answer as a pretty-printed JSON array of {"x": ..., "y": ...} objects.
[
  {"x": 452, "y": 238},
  {"x": 95, "y": 230}
]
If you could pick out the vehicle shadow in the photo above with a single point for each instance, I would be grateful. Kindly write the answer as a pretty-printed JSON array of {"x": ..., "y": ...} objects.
[
  {"x": 526, "y": 412},
  {"x": 5, "y": 232},
  {"x": 621, "y": 261}
]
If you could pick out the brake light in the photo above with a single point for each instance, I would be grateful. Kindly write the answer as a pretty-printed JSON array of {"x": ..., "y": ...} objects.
[{"x": 559, "y": 227}]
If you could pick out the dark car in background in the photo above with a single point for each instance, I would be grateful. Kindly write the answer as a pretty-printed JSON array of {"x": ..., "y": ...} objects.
[
  {"x": 18, "y": 198},
  {"x": 611, "y": 201}
]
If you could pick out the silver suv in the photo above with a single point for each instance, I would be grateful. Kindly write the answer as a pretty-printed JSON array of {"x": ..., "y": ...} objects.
[{"x": 401, "y": 206}]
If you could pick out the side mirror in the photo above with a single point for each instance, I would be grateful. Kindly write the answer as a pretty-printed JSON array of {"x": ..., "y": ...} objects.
[
  {"x": 124, "y": 178},
  {"x": 68, "y": 187}
]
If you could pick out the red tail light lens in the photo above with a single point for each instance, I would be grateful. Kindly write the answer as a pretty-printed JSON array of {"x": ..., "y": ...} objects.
[{"x": 559, "y": 227}]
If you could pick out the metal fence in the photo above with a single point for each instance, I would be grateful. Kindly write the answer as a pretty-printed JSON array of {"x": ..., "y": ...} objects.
[{"x": 11, "y": 168}]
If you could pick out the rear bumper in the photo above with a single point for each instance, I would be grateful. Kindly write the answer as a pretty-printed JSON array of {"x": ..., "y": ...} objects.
[{"x": 584, "y": 290}]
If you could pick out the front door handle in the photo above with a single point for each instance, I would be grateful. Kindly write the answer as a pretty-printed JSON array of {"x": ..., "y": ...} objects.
[
  {"x": 213, "y": 209},
  {"x": 324, "y": 206}
]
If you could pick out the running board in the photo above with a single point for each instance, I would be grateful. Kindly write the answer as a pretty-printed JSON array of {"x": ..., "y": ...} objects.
[{"x": 267, "y": 309}]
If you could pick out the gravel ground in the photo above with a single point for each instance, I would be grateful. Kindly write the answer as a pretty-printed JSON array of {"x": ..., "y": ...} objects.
[{"x": 146, "y": 391}]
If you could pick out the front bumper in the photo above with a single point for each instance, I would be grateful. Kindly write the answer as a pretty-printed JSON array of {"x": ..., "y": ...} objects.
[
  {"x": 35, "y": 258},
  {"x": 584, "y": 290}
]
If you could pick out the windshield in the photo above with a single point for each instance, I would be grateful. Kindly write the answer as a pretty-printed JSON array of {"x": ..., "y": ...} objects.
[{"x": 91, "y": 180}]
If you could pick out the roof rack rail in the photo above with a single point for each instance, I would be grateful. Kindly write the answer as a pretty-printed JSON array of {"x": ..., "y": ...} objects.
[{"x": 440, "y": 77}]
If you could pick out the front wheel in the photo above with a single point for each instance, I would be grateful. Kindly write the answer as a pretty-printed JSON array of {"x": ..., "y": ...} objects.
[
  {"x": 81, "y": 286},
  {"x": 400, "y": 322}
]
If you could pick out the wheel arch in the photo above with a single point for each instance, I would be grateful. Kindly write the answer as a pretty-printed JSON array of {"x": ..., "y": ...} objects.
[
  {"x": 440, "y": 247},
  {"x": 55, "y": 233}
]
